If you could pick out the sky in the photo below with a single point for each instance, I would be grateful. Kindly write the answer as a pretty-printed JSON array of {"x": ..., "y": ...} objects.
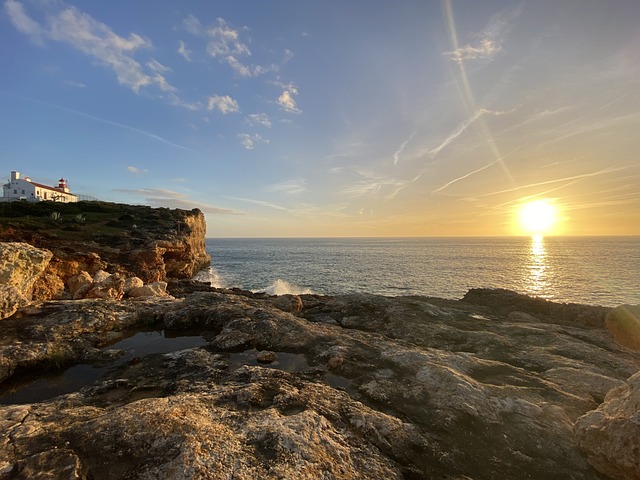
[{"x": 308, "y": 118}]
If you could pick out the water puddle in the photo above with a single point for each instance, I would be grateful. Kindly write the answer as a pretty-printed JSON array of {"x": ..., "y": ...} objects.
[
  {"x": 291, "y": 362},
  {"x": 36, "y": 388}
]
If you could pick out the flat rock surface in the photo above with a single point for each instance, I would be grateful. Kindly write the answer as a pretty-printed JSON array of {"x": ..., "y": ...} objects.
[{"x": 361, "y": 386}]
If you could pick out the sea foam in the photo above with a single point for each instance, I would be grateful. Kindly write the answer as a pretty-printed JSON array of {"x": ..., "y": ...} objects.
[{"x": 282, "y": 287}]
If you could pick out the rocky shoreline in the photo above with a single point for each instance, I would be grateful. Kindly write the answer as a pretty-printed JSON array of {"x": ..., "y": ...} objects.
[{"x": 495, "y": 385}]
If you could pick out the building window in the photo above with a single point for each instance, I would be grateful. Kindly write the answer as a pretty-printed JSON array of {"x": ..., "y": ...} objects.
[
  {"x": 23, "y": 191},
  {"x": 15, "y": 191},
  {"x": 45, "y": 195}
]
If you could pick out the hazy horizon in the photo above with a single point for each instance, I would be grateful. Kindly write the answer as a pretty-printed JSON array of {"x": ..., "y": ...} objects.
[{"x": 333, "y": 119}]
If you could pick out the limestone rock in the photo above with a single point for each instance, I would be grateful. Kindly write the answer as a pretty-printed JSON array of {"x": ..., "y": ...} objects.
[
  {"x": 74, "y": 283},
  {"x": 155, "y": 289},
  {"x": 624, "y": 323},
  {"x": 100, "y": 276},
  {"x": 110, "y": 287},
  {"x": 287, "y": 303},
  {"x": 266, "y": 356},
  {"x": 610, "y": 435},
  {"x": 11, "y": 299},
  {"x": 131, "y": 283},
  {"x": 20, "y": 267},
  {"x": 428, "y": 388}
]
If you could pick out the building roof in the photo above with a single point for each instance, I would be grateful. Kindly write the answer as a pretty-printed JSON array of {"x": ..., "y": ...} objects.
[{"x": 58, "y": 190}]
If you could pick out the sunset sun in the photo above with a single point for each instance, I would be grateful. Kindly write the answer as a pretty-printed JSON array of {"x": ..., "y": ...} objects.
[{"x": 538, "y": 217}]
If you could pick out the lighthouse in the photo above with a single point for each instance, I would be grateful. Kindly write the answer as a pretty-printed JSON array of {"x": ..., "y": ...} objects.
[{"x": 62, "y": 186}]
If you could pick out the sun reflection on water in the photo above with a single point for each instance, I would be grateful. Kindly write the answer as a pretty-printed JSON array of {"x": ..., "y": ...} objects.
[{"x": 538, "y": 275}]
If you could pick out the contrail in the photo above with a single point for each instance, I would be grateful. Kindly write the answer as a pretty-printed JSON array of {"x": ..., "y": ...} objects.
[
  {"x": 466, "y": 94},
  {"x": 103, "y": 120}
]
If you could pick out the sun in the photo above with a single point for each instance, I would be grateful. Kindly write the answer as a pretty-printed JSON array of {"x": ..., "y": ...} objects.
[{"x": 538, "y": 217}]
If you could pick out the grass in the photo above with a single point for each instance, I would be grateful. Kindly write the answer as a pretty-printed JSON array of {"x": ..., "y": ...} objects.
[{"x": 114, "y": 223}]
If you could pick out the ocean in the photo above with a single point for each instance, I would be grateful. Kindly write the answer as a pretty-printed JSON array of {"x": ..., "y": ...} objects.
[{"x": 591, "y": 270}]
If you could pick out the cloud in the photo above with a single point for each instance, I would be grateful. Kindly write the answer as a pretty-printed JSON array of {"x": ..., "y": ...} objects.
[
  {"x": 400, "y": 150},
  {"x": 490, "y": 40},
  {"x": 287, "y": 101},
  {"x": 260, "y": 202},
  {"x": 182, "y": 50},
  {"x": 487, "y": 48},
  {"x": 289, "y": 187},
  {"x": 225, "y": 41},
  {"x": 136, "y": 170},
  {"x": 259, "y": 119},
  {"x": 226, "y": 45},
  {"x": 95, "y": 39},
  {"x": 159, "y": 197},
  {"x": 224, "y": 104},
  {"x": 71, "y": 83},
  {"x": 23, "y": 22},
  {"x": 157, "y": 67},
  {"x": 460, "y": 129},
  {"x": 248, "y": 141}
]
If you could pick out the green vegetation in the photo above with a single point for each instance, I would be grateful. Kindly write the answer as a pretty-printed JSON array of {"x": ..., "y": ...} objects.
[
  {"x": 114, "y": 223},
  {"x": 58, "y": 356}
]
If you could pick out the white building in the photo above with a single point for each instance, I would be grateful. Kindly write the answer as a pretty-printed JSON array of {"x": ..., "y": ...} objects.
[{"x": 22, "y": 188}]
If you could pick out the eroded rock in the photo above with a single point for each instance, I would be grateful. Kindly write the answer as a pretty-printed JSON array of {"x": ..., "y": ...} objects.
[
  {"x": 21, "y": 265},
  {"x": 611, "y": 434},
  {"x": 427, "y": 388}
]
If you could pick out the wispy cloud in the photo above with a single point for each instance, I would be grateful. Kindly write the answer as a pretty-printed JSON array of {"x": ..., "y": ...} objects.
[
  {"x": 23, "y": 22},
  {"x": 224, "y": 104},
  {"x": 95, "y": 39},
  {"x": 158, "y": 197},
  {"x": 295, "y": 186},
  {"x": 157, "y": 67},
  {"x": 572, "y": 179},
  {"x": 71, "y": 83},
  {"x": 136, "y": 170},
  {"x": 486, "y": 48},
  {"x": 487, "y": 43},
  {"x": 184, "y": 51},
  {"x": 260, "y": 202},
  {"x": 249, "y": 141},
  {"x": 403, "y": 145},
  {"x": 225, "y": 44},
  {"x": 460, "y": 129},
  {"x": 259, "y": 119}
]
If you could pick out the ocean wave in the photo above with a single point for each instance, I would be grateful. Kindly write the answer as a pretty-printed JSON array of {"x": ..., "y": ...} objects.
[
  {"x": 282, "y": 287},
  {"x": 211, "y": 276}
]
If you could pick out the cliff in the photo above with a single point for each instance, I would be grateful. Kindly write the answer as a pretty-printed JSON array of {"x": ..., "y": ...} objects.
[{"x": 154, "y": 244}]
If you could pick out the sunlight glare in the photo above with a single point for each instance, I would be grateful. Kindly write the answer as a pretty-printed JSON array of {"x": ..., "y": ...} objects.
[{"x": 538, "y": 217}]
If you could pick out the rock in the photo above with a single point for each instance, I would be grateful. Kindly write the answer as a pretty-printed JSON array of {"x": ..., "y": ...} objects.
[
  {"x": 610, "y": 435},
  {"x": 266, "y": 356},
  {"x": 624, "y": 323},
  {"x": 522, "y": 317},
  {"x": 11, "y": 299},
  {"x": 131, "y": 283},
  {"x": 82, "y": 291},
  {"x": 48, "y": 286},
  {"x": 428, "y": 388},
  {"x": 110, "y": 287},
  {"x": 155, "y": 289},
  {"x": 100, "y": 276},
  {"x": 335, "y": 362},
  {"x": 168, "y": 244},
  {"x": 20, "y": 267},
  {"x": 77, "y": 281},
  {"x": 287, "y": 303}
]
